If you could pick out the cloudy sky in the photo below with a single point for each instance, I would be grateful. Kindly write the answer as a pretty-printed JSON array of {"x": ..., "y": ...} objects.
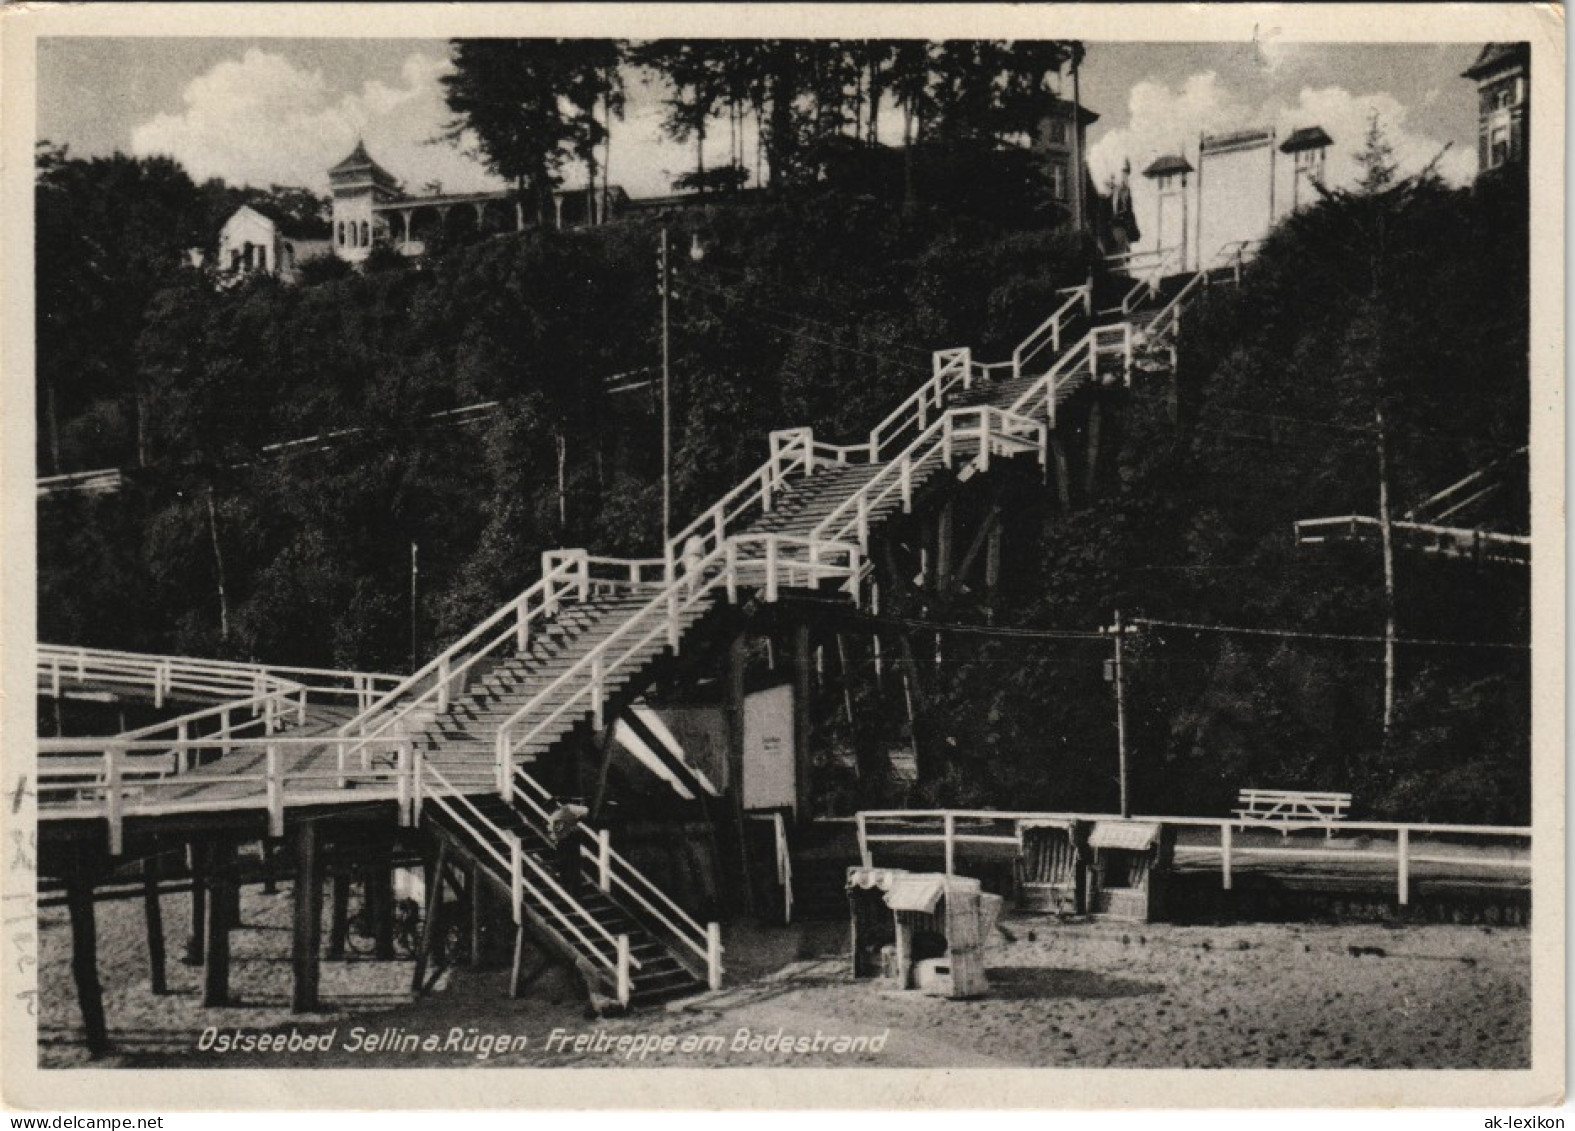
[{"x": 281, "y": 111}]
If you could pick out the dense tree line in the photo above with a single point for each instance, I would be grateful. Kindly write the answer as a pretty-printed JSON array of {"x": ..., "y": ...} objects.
[
  {"x": 535, "y": 105},
  {"x": 820, "y": 308}
]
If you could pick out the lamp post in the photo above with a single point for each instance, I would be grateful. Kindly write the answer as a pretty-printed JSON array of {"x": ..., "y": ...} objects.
[
  {"x": 667, "y": 402},
  {"x": 665, "y": 286}
]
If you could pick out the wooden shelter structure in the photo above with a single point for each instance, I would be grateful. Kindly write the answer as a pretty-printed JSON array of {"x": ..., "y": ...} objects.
[
  {"x": 1052, "y": 872},
  {"x": 921, "y": 930},
  {"x": 1132, "y": 861}
]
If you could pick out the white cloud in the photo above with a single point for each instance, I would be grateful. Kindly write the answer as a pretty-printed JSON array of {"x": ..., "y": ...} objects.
[
  {"x": 262, "y": 120},
  {"x": 1166, "y": 120}
]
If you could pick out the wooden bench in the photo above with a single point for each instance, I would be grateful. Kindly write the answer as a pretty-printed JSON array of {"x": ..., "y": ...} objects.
[{"x": 1290, "y": 809}]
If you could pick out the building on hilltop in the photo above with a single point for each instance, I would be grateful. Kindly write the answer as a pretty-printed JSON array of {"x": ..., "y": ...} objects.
[
  {"x": 1502, "y": 73},
  {"x": 371, "y": 207},
  {"x": 1233, "y": 195},
  {"x": 259, "y": 238}
]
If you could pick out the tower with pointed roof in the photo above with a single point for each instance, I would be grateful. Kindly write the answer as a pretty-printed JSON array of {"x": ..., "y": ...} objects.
[
  {"x": 1307, "y": 148},
  {"x": 358, "y": 184},
  {"x": 1502, "y": 73},
  {"x": 1169, "y": 174}
]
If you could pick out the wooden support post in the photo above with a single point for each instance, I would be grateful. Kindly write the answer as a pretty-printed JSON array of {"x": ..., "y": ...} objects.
[
  {"x": 476, "y": 907},
  {"x": 154, "y": 913},
  {"x": 519, "y": 977},
  {"x": 196, "y": 942},
  {"x": 84, "y": 961},
  {"x": 992, "y": 570},
  {"x": 1063, "y": 472},
  {"x": 270, "y": 850},
  {"x": 801, "y": 717},
  {"x": 1225, "y": 862},
  {"x": 308, "y": 934},
  {"x": 737, "y": 663},
  {"x": 216, "y": 970},
  {"x": 1091, "y": 476},
  {"x": 380, "y": 899},
  {"x": 339, "y": 915},
  {"x": 429, "y": 923},
  {"x": 945, "y": 529},
  {"x": 1403, "y": 855},
  {"x": 737, "y": 667}
]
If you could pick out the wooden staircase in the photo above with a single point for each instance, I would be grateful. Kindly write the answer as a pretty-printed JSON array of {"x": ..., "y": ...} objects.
[
  {"x": 584, "y": 924},
  {"x": 461, "y": 740}
]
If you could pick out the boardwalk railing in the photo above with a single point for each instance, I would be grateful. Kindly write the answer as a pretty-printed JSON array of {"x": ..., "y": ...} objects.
[
  {"x": 952, "y": 831},
  {"x": 114, "y": 779},
  {"x": 566, "y": 576},
  {"x": 61, "y": 667},
  {"x": 534, "y": 891},
  {"x": 699, "y": 948}
]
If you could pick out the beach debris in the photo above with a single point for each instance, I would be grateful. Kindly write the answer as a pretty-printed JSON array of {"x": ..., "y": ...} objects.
[{"x": 1359, "y": 951}]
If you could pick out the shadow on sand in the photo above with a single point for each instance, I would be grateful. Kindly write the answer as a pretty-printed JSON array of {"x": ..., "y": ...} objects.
[{"x": 1020, "y": 982}]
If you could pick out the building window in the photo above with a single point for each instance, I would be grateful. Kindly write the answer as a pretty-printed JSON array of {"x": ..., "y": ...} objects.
[
  {"x": 262, "y": 258},
  {"x": 1058, "y": 180},
  {"x": 366, "y": 234},
  {"x": 341, "y": 233},
  {"x": 1498, "y": 145},
  {"x": 1057, "y": 131}
]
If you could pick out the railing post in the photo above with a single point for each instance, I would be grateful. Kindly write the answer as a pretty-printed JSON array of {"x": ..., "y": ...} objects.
[
  {"x": 864, "y": 519},
  {"x": 300, "y": 708},
  {"x": 946, "y": 440},
  {"x": 442, "y": 688},
  {"x": 855, "y": 567},
  {"x": 1225, "y": 847},
  {"x": 771, "y": 567},
  {"x": 905, "y": 472},
  {"x": 985, "y": 416},
  {"x": 604, "y": 860},
  {"x": 730, "y": 566},
  {"x": 625, "y": 988},
  {"x": 596, "y": 692},
  {"x": 275, "y": 788},
  {"x": 500, "y": 762},
  {"x": 720, "y": 526},
  {"x": 406, "y": 817},
  {"x": 808, "y": 439},
  {"x": 521, "y": 625},
  {"x": 224, "y": 730},
  {"x": 54, "y": 677},
  {"x": 112, "y": 799},
  {"x": 864, "y": 844},
  {"x": 182, "y": 736},
  {"x": 516, "y": 877},
  {"x": 670, "y": 581},
  {"x": 582, "y": 565},
  {"x": 951, "y": 843},
  {"x": 416, "y": 788},
  {"x": 713, "y": 955},
  {"x": 1403, "y": 854},
  {"x": 159, "y": 671}
]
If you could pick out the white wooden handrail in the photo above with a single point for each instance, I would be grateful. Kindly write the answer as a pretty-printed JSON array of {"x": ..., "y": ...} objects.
[
  {"x": 1049, "y": 331},
  {"x": 654, "y": 617},
  {"x": 447, "y": 797}
]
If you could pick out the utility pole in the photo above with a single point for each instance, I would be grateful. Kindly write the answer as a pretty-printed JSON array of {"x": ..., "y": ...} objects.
[
  {"x": 414, "y": 572},
  {"x": 1117, "y": 676},
  {"x": 667, "y": 401},
  {"x": 1387, "y": 534}
]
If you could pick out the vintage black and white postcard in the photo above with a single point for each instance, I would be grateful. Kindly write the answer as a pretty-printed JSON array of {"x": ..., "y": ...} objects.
[{"x": 901, "y": 553}]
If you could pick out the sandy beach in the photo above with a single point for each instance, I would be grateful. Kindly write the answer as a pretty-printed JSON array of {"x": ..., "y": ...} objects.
[{"x": 1074, "y": 994}]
